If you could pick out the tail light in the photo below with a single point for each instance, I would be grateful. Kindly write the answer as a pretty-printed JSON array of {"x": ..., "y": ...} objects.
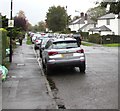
[
  {"x": 80, "y": 51},
  {"x": 52, "y": 53},
  {"x": 36, "y": 40}
]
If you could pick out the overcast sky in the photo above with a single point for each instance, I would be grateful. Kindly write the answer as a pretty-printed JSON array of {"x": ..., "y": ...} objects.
[{"x": 35, "y": 10}]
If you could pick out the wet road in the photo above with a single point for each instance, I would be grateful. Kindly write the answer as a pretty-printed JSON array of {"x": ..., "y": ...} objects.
[{"x": 96, "y": 89}]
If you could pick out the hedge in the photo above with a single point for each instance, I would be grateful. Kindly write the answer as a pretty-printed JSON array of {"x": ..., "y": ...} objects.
[
  {"x": 105, "y": 39},
  {"x": 95, "y": 38},
  {"x": 84, "y": 35},
  {"x": 108, "y": 39},
  {"x": 3, "y": 45}
]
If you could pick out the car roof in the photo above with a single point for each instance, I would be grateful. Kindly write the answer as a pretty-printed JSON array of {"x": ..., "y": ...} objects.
[{"x": 64, "y": 39}]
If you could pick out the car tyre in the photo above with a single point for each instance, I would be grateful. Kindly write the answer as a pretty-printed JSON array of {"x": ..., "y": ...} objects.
[
  {"x": 43, "y": 65},
  {"x": 82, "y": 68},
  {"x": 35, "y": 48}
]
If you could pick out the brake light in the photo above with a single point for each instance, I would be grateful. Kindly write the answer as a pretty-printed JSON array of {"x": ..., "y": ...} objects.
[
  {"x": 52, "y": 53},
  {"x": 80, "y": 51}
]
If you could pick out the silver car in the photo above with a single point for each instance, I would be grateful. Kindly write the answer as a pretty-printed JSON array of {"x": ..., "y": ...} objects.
[{"x": 63, "y": 53}]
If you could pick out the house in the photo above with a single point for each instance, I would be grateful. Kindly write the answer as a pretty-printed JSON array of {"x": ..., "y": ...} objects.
[
  {"x": 84, "y": 23},
  {"x": 103, "y": 30},
  {"x": 107, "y": 24}
]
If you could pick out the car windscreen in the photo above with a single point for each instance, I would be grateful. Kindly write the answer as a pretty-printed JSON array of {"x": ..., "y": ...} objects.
[
  {"x": 64, "y": 44},
  {"x": 44, "y": 41}
]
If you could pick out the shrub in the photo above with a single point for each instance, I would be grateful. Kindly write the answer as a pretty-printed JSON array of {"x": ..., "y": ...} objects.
[
  {"x": 95, "y": 38},
  {"x": 85, "y": 35},
  {"x": 3, "y": 44},
  {"x": 108, "y": 39}
]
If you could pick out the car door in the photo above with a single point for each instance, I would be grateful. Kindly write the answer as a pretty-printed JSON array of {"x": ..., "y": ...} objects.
[{"x": 45, "y": 51}]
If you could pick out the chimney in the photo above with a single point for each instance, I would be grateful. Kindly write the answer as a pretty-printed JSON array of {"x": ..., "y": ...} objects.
[
  {"x": 116, "y": 16},
  {"x": 82, "y": 14},
  {"x": 86, "y": 16}
]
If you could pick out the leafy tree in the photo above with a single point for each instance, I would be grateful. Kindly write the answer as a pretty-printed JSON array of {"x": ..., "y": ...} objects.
[
  {"x": 96, "y": 12},
  {"x": 30, "y": 27},
  {"x": 4, "y": 21},
  {"x": 41, "y": 26},
  {"x": 114, "y": 6},
  {"x": 20, "y": 21},
  {"x": 56, "y": 18}
]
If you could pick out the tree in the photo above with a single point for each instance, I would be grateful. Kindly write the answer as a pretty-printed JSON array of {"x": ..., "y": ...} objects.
[
  {"x": 114, "y": 6},
  {"x": 20, "y": 21},
  {"x": 41, "y": 26},
  {"x": 56, "y": 18},
  {"x": 30, "y": 27},
  {"x": 96, "y": 12},
  {"x": 4, "y": 21}
]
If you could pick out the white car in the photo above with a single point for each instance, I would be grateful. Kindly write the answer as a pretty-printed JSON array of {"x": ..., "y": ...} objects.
[
  {"x": 63, "y": 53},
  {"x": 34, "y": 37}
]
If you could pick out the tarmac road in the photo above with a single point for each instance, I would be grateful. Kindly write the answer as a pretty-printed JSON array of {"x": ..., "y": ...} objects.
[{"x": 96, "y": 89}]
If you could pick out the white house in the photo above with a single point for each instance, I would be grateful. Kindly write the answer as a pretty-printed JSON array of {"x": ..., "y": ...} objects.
[
  {"x": 84, "y": 23},
  {"x": 103, "y": 30},
  {"x": 107, "y": 24}
]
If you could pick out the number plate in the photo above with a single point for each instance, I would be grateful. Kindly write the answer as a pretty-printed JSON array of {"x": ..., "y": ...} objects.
[{"x": 67, "y": 55}]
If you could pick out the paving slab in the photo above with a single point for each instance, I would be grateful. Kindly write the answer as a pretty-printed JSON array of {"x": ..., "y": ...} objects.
[{"x": 25, "y": 87}]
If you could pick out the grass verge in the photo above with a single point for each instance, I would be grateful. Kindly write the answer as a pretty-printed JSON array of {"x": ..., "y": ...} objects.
[
  {"x": 112, "y": 45},
  {"x": 28, "y": 42},
  {"x": 86, "y": 44}
]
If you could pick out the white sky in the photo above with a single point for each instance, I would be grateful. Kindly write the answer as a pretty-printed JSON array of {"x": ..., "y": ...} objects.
[{"x": 35, "y": 10}]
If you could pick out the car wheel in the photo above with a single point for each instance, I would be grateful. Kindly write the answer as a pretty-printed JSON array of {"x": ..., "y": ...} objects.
[
  {"x": 35, "y": 48},
  {"x": 43, "y": 65},
  {"x": 82, "y": 68},
  {"x": 40, "y": 54}
]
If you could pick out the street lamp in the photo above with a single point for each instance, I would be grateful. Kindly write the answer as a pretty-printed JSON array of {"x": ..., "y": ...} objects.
[
  {"x": 11, "y": 8},
  {"x": 66, "y": 18},
  {"x": 79, "y": 19}
]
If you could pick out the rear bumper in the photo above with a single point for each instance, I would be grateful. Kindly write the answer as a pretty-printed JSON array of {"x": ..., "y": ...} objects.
[
  {"x": 66, "y": 63},
  {"x": 37, "y": 45}
]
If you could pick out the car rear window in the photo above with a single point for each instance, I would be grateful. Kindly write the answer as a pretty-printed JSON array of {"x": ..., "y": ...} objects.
[{"x": 65, "y": 44}]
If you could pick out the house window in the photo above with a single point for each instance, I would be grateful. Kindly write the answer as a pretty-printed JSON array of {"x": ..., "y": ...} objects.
[{"x": 108, "y": 21}]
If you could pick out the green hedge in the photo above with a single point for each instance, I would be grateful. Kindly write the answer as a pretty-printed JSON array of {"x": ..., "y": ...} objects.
[
  {"x": 106, "y": 39},
  {"x": 95, "y": 38},
  {"x": 84, "y": 35},
  {"x": 3, "y": 45}
]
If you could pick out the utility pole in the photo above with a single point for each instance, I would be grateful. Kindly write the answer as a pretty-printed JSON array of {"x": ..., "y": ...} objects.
[
  {"x": 11, "y": 8},
  {"x": 66, "y": 18}
]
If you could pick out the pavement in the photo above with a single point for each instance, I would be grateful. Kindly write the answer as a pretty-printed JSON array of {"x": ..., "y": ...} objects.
[{"x": 26, "y": 86}]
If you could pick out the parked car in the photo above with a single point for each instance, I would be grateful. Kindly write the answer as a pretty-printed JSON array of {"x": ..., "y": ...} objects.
[
  {"x": 42, "y": 45},
  {"x": 78, "y": 37},
  {"x": 63, "y": 53},
  {"x": 37, "y": 43},
  {"x": 34, "y": 37}
]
